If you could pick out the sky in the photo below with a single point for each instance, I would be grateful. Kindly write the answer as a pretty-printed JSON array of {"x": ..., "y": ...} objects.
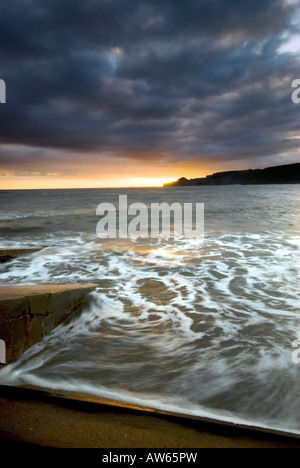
[{"x": 116, "y": 93}]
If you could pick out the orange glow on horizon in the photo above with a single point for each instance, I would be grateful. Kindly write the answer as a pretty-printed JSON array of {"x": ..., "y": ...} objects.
[
  {"x": 110, "y": 176},
  {"x": 25, "y": 183}
]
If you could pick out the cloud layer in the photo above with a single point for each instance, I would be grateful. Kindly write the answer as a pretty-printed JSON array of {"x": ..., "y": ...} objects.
[{"x": 148, "y": 80}]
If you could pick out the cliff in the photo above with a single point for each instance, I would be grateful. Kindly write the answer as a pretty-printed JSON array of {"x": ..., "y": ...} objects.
[{"x": 287, "y": 174}]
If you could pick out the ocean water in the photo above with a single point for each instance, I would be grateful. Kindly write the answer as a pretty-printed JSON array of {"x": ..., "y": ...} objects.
[{"x": 198, "y": 327}]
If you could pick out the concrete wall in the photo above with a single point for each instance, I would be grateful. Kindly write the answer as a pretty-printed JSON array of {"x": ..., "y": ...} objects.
[
  {"x": 28, "y": 313},
  {"x": 9, "y": 254}
]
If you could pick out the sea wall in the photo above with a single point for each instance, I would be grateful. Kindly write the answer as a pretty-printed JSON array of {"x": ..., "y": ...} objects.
[
  {"x": 28, "y": 313},
  {"x": 9, "y": 254}
]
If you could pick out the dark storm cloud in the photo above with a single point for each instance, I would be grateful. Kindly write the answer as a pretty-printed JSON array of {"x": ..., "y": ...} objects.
[{"x": 178, "y": 80}]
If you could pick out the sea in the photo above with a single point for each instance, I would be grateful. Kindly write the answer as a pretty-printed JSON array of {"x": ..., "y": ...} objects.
[{"x": 202, "y": 327}]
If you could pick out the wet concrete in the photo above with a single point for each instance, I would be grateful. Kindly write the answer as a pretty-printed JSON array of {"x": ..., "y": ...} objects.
[
  {"x": 37, "y": 418},
  {"x": 9, "y": 254},
  {"x": 30, "y": 312}
]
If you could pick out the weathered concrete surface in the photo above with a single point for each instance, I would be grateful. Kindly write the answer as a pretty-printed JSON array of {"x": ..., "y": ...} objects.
[
  {"x": 8, "y": 254},
  {"x": 104, "y": 401},
  {"x": 36, "y": 418},
  {"x": 28, "y": 313}
]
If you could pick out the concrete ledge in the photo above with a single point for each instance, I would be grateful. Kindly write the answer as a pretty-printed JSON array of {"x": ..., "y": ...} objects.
[
  {"x": 40, "y": 419},
  {"x": 28, "y": 313},
  {"x": 125, "y": 405},
  {"x": 8, "y": 254}
]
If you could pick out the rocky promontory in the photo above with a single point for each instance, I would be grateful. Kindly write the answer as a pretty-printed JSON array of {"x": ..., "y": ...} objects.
[{"x": 287, "y": 174}]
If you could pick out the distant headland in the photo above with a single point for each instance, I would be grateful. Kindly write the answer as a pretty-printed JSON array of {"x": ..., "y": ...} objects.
[{"x": 287, "y": 174}]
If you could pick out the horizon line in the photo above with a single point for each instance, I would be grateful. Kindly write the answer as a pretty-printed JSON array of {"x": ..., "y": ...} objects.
[{"x": 83, "y": 188}]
